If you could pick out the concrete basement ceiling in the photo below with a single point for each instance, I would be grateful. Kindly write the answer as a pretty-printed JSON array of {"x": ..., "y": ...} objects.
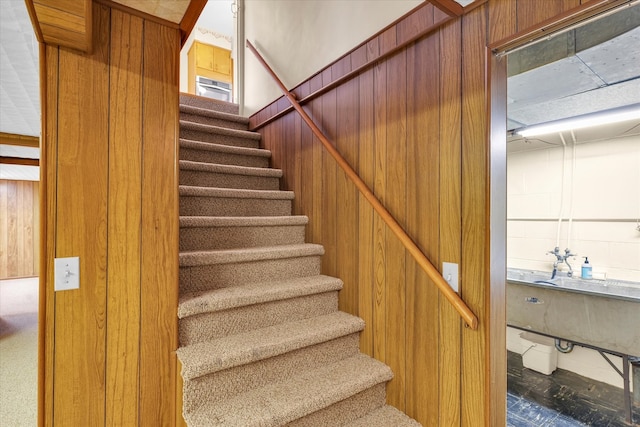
[{"x": 601, "y": 77}]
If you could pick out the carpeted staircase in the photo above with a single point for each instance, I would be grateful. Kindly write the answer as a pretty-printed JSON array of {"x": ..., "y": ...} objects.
[{"x": 262, "y": 342}]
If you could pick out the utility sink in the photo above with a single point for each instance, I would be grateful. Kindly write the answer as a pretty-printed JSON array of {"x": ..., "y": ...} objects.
[{"x": 600, "y": 313}]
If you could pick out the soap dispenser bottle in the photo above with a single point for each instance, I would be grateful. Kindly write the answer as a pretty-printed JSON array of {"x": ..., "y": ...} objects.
[{"x": 587, "y": 273}]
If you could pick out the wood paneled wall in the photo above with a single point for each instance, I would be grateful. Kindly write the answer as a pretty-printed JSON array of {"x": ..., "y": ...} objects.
[
  {"x": 110, "y": 122},
  {"x": 417, "y": 128},
  {"x": 19, "y": 229}
]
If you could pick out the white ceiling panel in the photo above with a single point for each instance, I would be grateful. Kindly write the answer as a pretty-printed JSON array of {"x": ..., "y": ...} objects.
[
  {"x": 17, "y": 151},
  {"x": 551, "y": 81},
  {"x": 19, "y": 76},
  {"x": 19, "y": 172},
  {"x": 619, "y": 95},
  {"x": 615, "y": 60}
]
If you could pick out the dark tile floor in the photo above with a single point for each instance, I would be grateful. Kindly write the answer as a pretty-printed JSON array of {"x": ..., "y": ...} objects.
[{"x": 561, "y": 399}]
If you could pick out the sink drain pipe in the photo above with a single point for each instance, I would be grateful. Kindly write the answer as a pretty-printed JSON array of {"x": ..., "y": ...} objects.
[{"x": 567, "y": 349}]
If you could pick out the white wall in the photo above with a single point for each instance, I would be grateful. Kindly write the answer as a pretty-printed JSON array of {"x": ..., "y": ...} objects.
[
  {"x": 606, "y": 207},
  {"x": 606, "y": 187},
  {"x": 299, "y": 38}
]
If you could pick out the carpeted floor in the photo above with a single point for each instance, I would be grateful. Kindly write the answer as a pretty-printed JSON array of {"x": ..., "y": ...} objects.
[{"x": 18, "y": 352}]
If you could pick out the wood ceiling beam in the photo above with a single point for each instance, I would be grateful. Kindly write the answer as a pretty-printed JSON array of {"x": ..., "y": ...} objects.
[
  {"x": 19, "y": 140},
  {"x": 450, "y": 7},
  {"x": 19, "y": 161},
  {"x": 190, "y": 18}
]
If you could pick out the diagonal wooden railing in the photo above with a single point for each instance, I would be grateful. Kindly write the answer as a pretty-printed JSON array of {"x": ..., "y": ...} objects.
[{"x": 465, "y": 312}]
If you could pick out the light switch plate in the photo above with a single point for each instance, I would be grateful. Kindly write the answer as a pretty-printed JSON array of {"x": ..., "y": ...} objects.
[
  {"x": 450, "y": 274},
  {"x": 67, "y": 273}
]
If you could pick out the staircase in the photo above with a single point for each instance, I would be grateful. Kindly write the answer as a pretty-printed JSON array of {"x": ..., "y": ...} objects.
[{"x": 262, "y": 342}]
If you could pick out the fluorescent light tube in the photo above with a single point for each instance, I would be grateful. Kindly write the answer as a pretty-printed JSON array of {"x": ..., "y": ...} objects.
[{"x": 599, "y": 118}]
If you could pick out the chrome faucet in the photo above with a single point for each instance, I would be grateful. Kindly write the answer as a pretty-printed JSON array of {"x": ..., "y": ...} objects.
[{"x": 561, "y": 258}]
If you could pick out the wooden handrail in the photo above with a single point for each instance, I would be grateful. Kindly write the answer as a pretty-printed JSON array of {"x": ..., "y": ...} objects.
[{"x": 467, "y": 315}]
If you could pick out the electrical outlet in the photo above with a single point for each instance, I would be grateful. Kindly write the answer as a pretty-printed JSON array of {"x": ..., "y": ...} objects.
[
  {"x": 450, "y": 274},
  {"x": 67, "y": 273}
]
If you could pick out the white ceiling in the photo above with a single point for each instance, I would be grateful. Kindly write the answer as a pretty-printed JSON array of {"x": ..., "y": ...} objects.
[
  {"x": 217, "y": 15},
  {"x": 602, "y": 77},
  {"x": 19, "y": 79}
]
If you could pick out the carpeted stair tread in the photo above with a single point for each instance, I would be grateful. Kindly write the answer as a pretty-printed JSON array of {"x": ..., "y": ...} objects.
[
  {"x": 230, "y": 169},
  {"x": 219, "y": 130},
  {"x": 228, "y": 149},
  {"x": 208, "y": 103},
  {"x": 236, "y": 193},
  {"x": 228, "y": 256},
  {"x": 242, "y": 221},
  {"x": 256, "y": 293},
  {"x": 211, "y": 152},
  {"x": 219, "y": 232},
  {"x": 223, "y": 353},
  {"x": 197, "y": 111},
  {"x": 385, "y": 416},
  {"x": 311, "y": 391}
]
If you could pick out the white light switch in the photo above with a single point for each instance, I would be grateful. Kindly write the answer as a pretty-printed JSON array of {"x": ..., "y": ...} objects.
[
  {"x": 450, "y": 274},
  {"x": 67, "y": 273}
]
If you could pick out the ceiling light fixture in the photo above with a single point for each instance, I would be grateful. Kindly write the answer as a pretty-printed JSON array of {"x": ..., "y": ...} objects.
[{"x": 615, "y": 115}]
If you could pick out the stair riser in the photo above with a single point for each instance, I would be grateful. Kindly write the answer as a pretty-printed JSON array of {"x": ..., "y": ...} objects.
[
  {"x": 213, "y": 121},
  {"x": 346, "y": 410},
  {"x": 225, "y": 384},
  {"x": 196, "y": 135},
  {"x": 205, "y": 277},
  {"x": 215, "y": 238},
  {"x": 223, "y": 180},
  {"x": 226, "y": 206},
  {"x": 209, "y": 326},
  {"x": 209, "y": 104},
  {"x": 207, "y": 156}
]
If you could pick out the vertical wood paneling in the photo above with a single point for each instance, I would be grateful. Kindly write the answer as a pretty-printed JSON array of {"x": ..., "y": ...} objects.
[
  {"x": 315, "y": 111},
  {"x": 347, "y": 196},
  {"x": 329, "y": 171},
  {"x": 12, "y": 229},
  {"x": 49, "y": 142},
  {"x": 531, "y": 12},
  {"x": 475, "y": 227},
  {"x": 4, "y": 227},
  {"x": 36, "y": 227},
  {"x": 22, "y": 233},
  {"x": 423, "y": 189},
  {"x": 125, "y": 170},
  {"x": 306, "y": 195},
  {"x": 379, "y": 229},
  {"x": 502, "y": 17},
  {"x": 396, "y": 180},
  {"x": 366, "y": 168},
  {"x": 159, "y": 287},
  {"x": 19, "y": 228},
  {"x": 450, "y": 352},
  {"x": 81, "y": 196},
  {"x": 110, "y": 186}
]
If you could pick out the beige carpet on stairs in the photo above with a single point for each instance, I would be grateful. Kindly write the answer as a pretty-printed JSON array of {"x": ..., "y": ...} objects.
[{"x": 262, "y": 342}]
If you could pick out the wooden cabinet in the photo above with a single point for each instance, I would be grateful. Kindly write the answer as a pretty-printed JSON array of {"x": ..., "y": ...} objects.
[{"x": 209, "y": 61}]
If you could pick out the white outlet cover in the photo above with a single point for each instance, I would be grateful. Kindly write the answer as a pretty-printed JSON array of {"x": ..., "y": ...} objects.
[
  {"x": 450, "y": 274},
  {"x": 67, "y": 273}
]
